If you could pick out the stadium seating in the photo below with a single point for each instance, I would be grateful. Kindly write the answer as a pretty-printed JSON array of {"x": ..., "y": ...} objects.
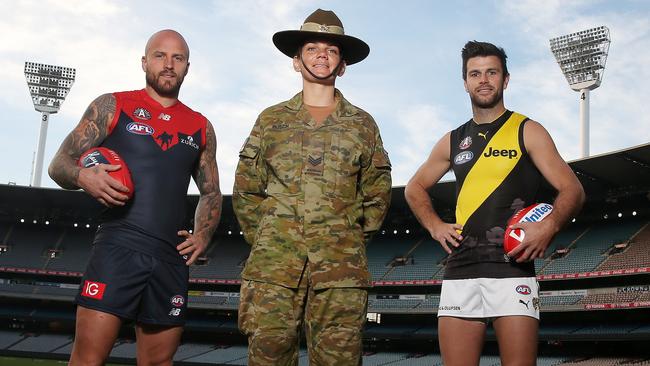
[
  {"x": 230, "y": 355},
  {"x": 636, "y": 255},
  {"x": 43, "y": 343},
  {"x": 8, "y": 338},
  {"x": 559, "y": 300},
  {"x": 381, "y": 251},
  {"x": 28, "y": 245},
  {"x": 609, "y": 298},
  {"x": 422, "y": 264},
  {"x": 75, "y": 247},
  {"x": 225, "y": 258},
  {"x": 590, "y": 249}
]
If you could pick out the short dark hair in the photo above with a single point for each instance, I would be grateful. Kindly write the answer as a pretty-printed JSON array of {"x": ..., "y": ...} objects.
[{"x": 475, "y": 49}]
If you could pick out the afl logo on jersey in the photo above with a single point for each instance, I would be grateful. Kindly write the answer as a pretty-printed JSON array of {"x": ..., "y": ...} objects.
[
  {"x": 142, "y": 113},
  {"x": 523, "y": 289},
  {"x": 178, "y": 301},
  {"x": 140, "y": 128},
  {"x": 463, "y": 157},
  {"x": 465, "y": 143}
]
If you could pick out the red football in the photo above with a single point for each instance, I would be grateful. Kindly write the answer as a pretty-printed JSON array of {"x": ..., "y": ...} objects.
[
  {"x": 102, "y": 155},
  {"x": 532, "y": 213}
]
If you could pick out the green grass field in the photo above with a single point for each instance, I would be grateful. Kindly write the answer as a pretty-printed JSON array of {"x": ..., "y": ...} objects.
[{"x": 16, "y": 361}]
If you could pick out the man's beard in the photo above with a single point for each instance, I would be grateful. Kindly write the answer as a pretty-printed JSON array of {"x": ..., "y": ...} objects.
[
  {"x": 168, "y": 88},
  {"x": 487, "y": 104}
]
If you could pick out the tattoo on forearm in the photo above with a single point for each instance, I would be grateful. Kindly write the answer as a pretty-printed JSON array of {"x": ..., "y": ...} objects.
[
  {"x": 91, "y": 131},
  {"x": 208, "y": 210}
]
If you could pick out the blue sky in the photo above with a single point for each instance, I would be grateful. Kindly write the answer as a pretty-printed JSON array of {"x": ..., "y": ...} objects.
[{"x": 411, "y": 82}]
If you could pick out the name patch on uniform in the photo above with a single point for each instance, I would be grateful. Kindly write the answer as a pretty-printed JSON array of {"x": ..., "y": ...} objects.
[
  {"x": 140, "y": 128},
  {"x": 280, "y": 126}
]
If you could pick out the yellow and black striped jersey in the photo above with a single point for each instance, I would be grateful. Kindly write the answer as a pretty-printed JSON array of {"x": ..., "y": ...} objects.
[{"x": 494, "y": 178}]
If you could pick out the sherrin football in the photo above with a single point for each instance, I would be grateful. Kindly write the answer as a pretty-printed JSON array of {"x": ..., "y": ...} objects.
[
  {"x": 532, "y": 213},
  {"x": 102, "y": 155}
]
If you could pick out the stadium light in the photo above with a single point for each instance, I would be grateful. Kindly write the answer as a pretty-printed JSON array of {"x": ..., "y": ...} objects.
[
  {"x": 48, "y": 86},
  {"x": 582, "y": 56}
]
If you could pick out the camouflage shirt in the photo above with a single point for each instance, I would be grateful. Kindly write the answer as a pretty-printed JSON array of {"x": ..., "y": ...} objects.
[{"x": 315, "y": 194}]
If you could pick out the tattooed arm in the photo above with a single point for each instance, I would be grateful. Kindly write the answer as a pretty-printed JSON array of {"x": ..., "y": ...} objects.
[
  {"x": 208, "y": 210},
  {"x": 90, "y": 132}
]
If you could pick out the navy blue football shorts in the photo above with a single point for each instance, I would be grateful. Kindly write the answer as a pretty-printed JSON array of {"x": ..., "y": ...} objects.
[{"x": 134, "y": 286}]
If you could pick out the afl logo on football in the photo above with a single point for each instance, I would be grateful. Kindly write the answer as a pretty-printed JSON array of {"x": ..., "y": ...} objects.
[
  {"x": 178, "y": 301},
  {"x": 142, "y": 113},
  {"x": 465, "y": 143},
  {"x": 463, "y": 157},
  {"x": 523, "y": 289},
  {"x": 139, "y": 128}
]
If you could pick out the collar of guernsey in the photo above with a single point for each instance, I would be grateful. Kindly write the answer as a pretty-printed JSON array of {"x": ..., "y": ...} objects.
[{"x": 476, "y": 190}]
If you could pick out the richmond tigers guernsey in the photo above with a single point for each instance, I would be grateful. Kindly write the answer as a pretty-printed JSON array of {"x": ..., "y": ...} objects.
[
  {"x": 495, "y": 177},
  {"x": 161, "y": 146}
]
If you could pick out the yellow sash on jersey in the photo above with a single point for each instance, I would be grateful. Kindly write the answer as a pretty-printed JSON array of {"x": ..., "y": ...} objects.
[{"x": 477, "y": 187}]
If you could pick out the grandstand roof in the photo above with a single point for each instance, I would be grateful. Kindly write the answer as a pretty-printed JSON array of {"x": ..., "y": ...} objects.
[{"x": 609, "y": 179}]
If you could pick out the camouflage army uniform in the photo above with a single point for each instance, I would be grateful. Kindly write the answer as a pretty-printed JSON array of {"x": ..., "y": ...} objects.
[{"x": 307, "y": 198}]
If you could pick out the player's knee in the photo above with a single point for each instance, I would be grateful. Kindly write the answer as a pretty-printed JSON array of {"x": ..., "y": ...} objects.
[
  {"x": 81, "y": 358},
  {"x": 85, "y": 352},
  {"x": 155, "y": 358}
]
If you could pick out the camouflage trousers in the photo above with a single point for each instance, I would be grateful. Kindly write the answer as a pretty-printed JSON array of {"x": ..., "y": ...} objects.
[{"x": 272, "y": 317}]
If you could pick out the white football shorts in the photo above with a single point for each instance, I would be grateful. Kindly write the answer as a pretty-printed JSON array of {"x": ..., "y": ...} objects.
[{"x": 489, "y": 297}]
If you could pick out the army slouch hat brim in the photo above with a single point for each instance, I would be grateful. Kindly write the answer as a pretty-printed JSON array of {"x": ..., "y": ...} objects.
[{"x": 323, "y": 25}]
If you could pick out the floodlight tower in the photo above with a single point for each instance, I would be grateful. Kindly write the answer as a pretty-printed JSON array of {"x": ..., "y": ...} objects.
[
  {"x": 582, "y": 57},
  {"x": 48, "y": 86}
]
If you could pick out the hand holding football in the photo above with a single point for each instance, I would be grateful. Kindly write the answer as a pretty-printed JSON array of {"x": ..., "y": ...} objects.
[
  {"x": 533, "y": 213},
  {"x": 102, "y": 155}
]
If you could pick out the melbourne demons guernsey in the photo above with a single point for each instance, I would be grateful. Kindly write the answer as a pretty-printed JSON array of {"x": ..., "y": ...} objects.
[
  {"x": 495, "y": 177},
  {"x": 161, "y": 147}
]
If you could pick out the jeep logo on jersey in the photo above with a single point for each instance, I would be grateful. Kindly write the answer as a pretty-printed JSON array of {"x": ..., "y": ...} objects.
[
  {"x": 142, "y": 113},
  {"x": 178, "y": 301},
  {"x": 523, "y": 289},
  {"x": 463, "y": 157},
  {"x": 510, "y": 154},
  {"x": 139, "y": 128},
  {"x": 187, "y": 140}
]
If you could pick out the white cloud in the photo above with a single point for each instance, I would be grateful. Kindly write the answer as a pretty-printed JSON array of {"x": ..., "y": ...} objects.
[{"x": 422, "y": 126}]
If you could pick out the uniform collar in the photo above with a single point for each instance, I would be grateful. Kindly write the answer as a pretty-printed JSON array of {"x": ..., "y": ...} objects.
[{"x": 343, "y": 108}]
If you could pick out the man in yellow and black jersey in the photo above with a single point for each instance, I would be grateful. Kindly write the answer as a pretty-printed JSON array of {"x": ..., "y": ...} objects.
[{"x": 499, "y": 158}]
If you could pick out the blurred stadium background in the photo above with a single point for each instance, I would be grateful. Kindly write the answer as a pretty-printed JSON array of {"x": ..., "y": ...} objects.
[{"x": 595, "y": 283}]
